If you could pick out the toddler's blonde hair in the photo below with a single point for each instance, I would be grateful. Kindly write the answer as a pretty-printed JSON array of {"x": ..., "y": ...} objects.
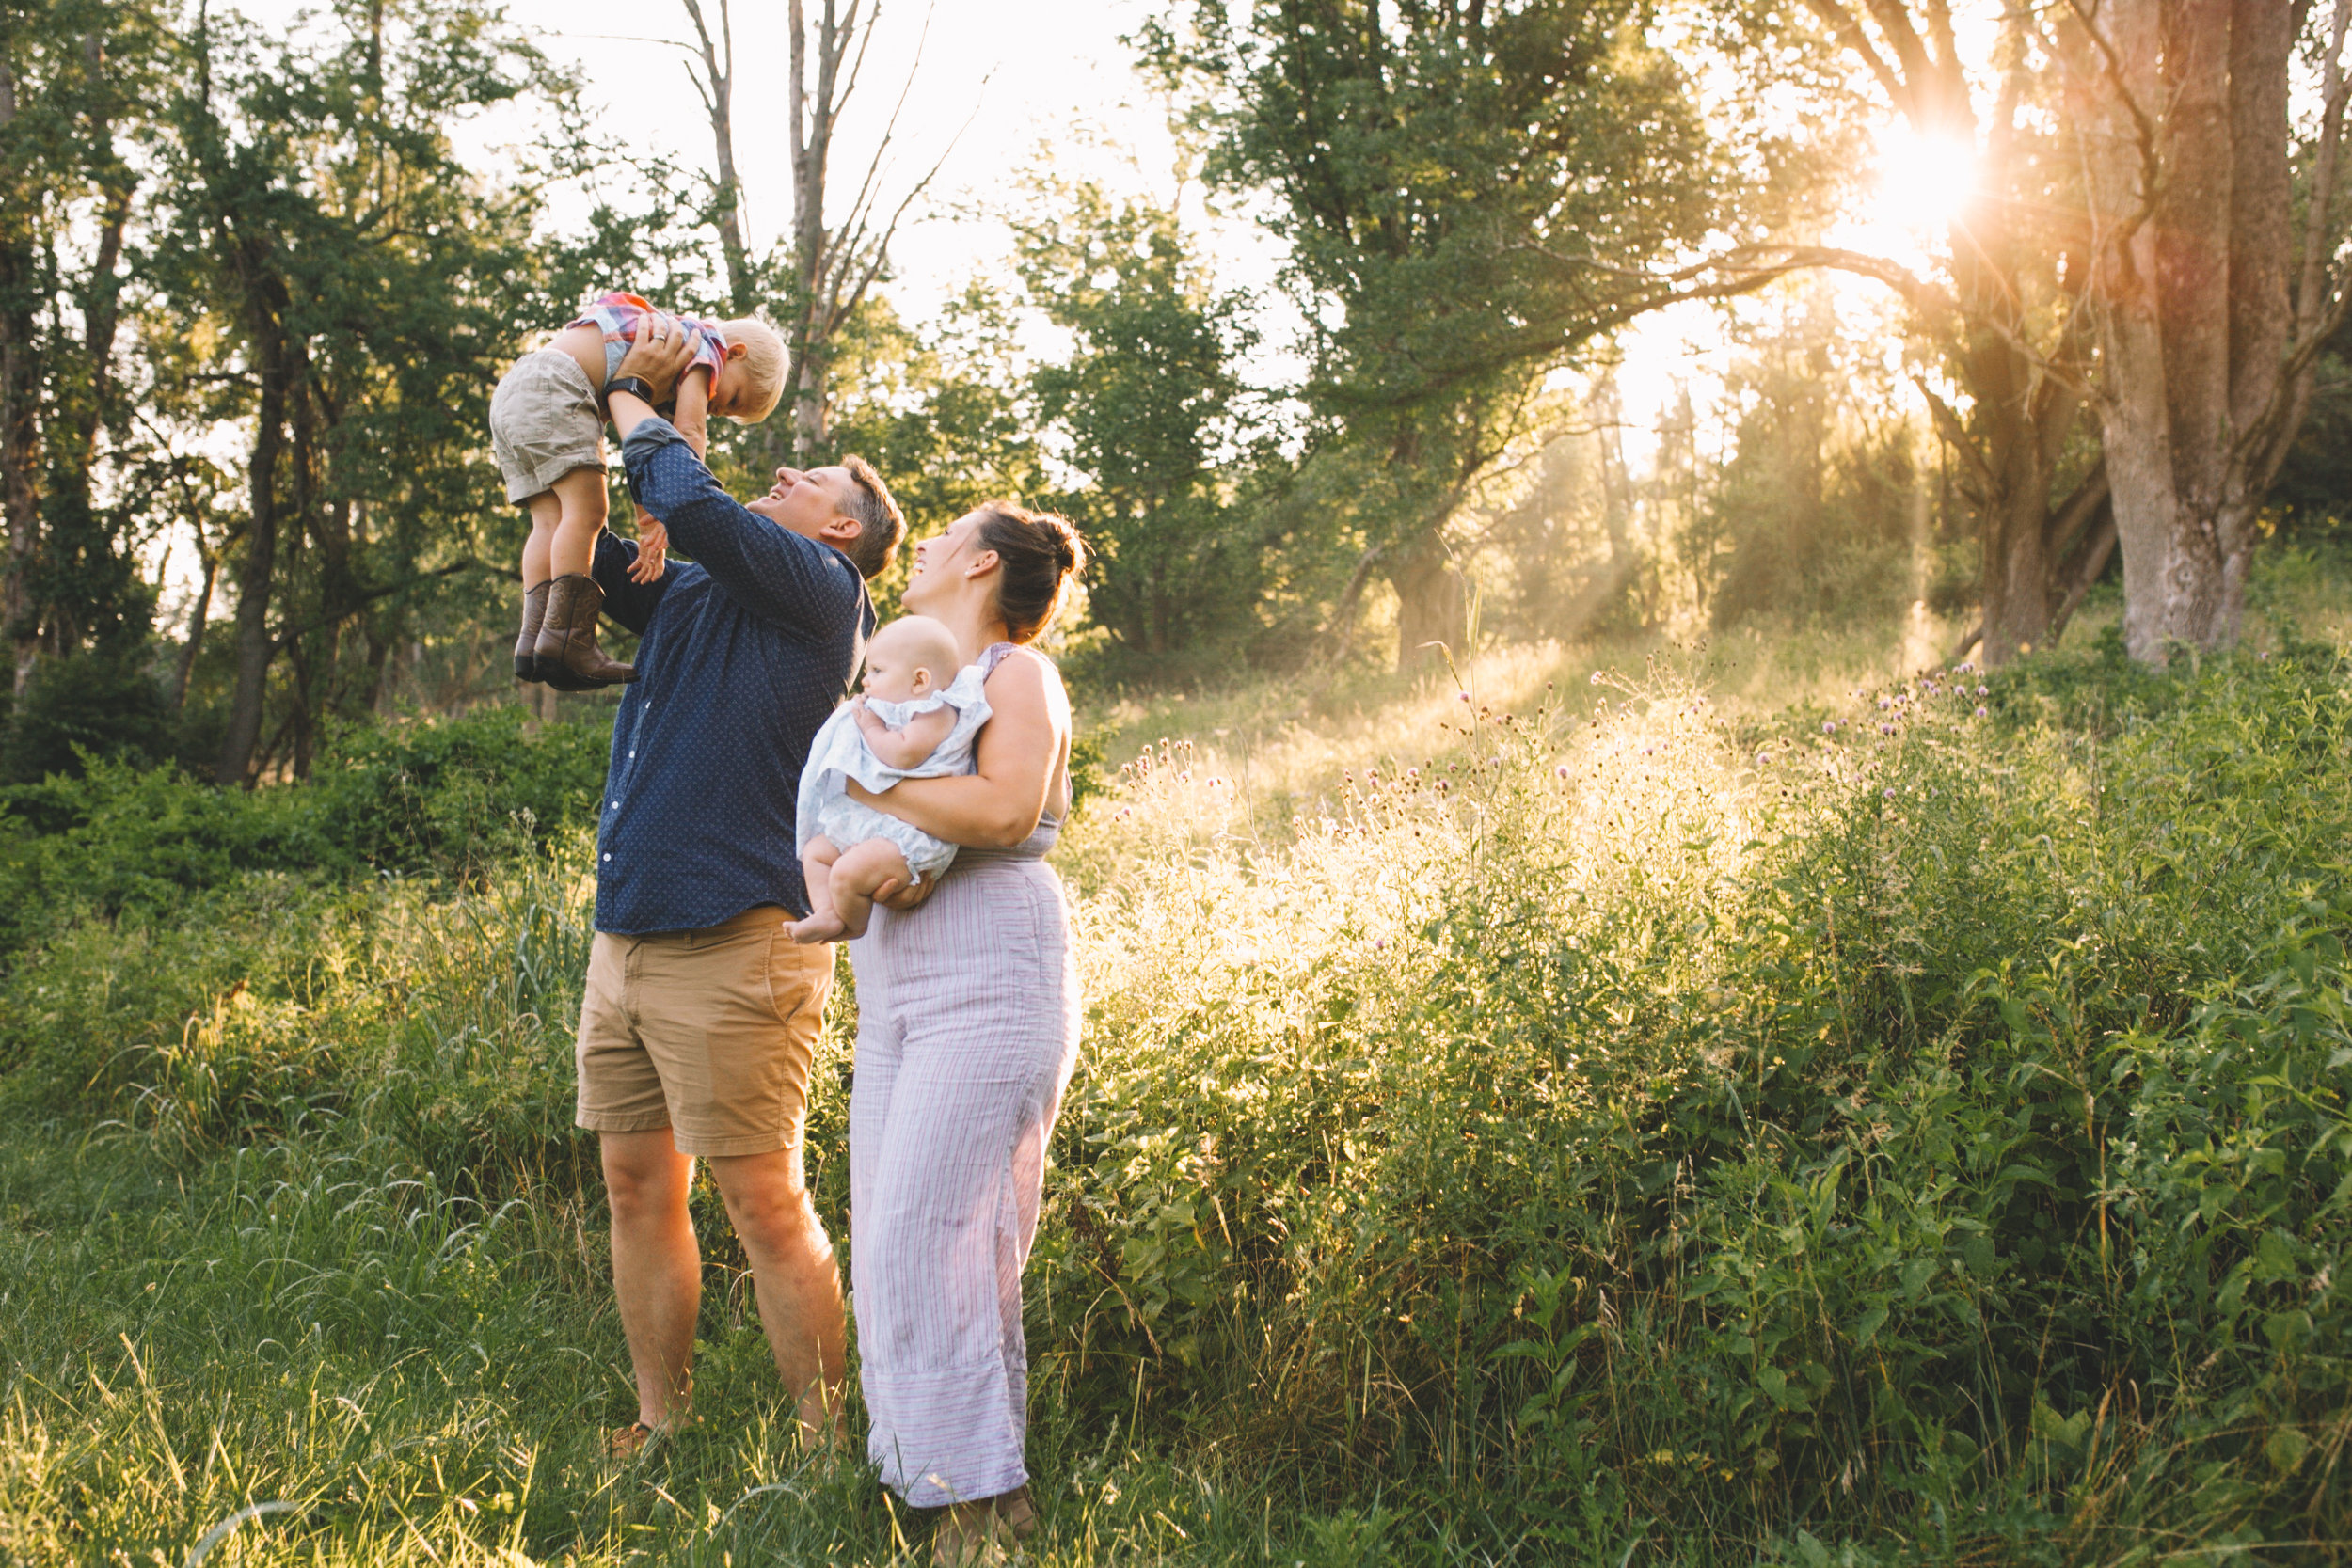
[{"x": 763, "y": 365}]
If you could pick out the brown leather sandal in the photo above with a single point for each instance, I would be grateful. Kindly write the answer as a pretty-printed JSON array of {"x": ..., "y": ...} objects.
[
  {"x": 628, "y": 1442},
  {"x": 567, "y": 637}
]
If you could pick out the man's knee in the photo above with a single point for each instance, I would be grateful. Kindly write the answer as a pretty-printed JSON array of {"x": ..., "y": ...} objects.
[
  {"x": 765, "y": 1194},
  {"x": 645, "y": 1174}
]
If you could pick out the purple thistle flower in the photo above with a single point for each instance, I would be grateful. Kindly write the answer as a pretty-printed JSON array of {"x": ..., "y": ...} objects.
[{"x": 1982, "y": 710}]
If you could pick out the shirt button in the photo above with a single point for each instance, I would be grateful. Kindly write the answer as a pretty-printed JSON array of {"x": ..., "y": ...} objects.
[
  {"x": 632, "y": 752},
  {"x": 608, "y": 854}
]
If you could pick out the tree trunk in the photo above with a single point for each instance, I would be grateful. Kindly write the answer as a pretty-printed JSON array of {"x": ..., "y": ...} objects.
[
  {"x": 812, "y": 117},
  {"x": 20, "y": 397},
  {"x": 2013, "y": 525},
  {"x": 2190, "y": 198},
  {"x": 255, "y": 575},
  {"x": 1432, "y": 605},
  {"x": 717, "y": 88}
]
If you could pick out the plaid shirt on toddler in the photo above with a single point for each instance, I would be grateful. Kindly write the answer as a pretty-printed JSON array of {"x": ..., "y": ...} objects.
[{"x": 618, "y": 316}]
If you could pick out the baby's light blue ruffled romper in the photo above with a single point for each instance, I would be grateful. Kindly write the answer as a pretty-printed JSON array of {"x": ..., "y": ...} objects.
[{"x": 839, "y": 753}]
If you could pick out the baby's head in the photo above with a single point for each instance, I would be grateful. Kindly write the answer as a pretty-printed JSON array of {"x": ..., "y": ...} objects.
[
  {"x": 752, "y": 383},
  {"x": 910, "y": 658}
]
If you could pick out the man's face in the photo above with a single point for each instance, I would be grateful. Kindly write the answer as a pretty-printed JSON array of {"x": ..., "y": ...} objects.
[{"x": 810, "y": 501}]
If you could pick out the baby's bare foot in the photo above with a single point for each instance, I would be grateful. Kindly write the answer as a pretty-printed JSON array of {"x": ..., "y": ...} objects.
[{"x": 819, "y": 928}]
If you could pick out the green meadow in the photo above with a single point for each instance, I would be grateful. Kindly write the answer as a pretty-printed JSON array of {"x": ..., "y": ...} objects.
[{"x": 1635, "y": 1105}]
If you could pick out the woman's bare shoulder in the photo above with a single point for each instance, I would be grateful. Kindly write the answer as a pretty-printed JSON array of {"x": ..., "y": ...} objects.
[{"x": 1027, "y": 666}]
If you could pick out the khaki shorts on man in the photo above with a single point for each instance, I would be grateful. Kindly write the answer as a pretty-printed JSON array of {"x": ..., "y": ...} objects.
[{"x": 708, "y": 1033}]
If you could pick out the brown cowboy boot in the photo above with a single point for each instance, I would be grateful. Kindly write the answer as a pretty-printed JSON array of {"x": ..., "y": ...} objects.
[
  {"x": 568, "y": 638},
  {"x": 527, "y": 645}
]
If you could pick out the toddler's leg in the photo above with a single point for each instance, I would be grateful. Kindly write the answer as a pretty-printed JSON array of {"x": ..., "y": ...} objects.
[
  {"x": 544, "y": 513},
  {"x": 859, "y": 874},
  {"x": 580, "y": 499},
  {"x": 824, "y": 921},
  {"x": 568, "y": 658}
]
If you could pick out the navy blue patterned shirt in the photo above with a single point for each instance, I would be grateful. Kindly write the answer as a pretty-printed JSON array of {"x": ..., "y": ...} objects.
[{"x": 742, "y": 655}]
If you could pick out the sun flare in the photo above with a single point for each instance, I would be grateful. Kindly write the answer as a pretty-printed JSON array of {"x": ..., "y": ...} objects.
[{"x": 1924, "y": 182}]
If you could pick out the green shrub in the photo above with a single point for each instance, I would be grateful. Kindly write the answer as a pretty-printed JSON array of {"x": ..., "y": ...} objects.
[
  {"x": 1935, "y": 1118},
  {"x": 444, "y": 797}
]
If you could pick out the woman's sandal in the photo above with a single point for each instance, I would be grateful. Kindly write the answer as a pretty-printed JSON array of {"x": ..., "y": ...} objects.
[
  {"x": 985, "y": 1533},
  {"x": 628, "y": 1442}
]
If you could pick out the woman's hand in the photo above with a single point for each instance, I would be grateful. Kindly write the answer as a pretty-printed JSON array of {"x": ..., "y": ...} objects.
[
  {"x": 895, "y": 895},
  {"x": 663, "y": 349}
]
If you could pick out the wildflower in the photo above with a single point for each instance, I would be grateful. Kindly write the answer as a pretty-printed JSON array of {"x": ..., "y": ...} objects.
[
  {"x": 1982, "y": 710},
  {"x": 1890, "y": 795},
  {"x": 1984, "y": 692},
  {"x": 1562, "y": 770},
  {"x": 1596, "y": 677},
  {"x": 1464, "y": 695},
  {"x": 1883, "y": 702},
  {"x": 1829, "y": 726}
]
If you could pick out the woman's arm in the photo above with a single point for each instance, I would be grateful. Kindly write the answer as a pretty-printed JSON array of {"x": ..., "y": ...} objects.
[{"x": 1019, "y": 757}]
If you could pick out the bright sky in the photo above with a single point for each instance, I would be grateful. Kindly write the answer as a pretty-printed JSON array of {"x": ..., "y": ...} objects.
[{"x": 1031, "y": 71}]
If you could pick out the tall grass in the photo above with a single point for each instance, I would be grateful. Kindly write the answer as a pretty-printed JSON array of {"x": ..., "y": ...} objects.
[{"x": 1595, "y": 1128}]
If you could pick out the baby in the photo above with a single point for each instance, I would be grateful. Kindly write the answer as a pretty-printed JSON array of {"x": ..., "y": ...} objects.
[
  {"x": 547, "y": 428},
  {"x": 913, "y": 723}
]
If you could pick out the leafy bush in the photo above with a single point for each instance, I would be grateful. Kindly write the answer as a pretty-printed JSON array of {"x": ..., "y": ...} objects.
[
  {"x": 1935, "y": 1117},
  {"x": 445, "y": 798}
]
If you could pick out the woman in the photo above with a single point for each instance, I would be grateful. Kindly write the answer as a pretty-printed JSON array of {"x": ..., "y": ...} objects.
[{"x": 968, "y": 1030}]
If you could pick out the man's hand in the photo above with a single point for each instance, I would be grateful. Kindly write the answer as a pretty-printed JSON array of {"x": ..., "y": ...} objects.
[
  {"x": 653, "y": 548},
  {"x": 663, "y": 351}
]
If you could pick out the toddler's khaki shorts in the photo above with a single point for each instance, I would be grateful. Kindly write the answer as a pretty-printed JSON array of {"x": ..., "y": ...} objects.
[
  {"x": 544, "y": 423},
  {"x": 708, "y": 1033}
]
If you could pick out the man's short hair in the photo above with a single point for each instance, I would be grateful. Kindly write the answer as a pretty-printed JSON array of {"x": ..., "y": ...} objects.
[{"x": 880, "y": 524}]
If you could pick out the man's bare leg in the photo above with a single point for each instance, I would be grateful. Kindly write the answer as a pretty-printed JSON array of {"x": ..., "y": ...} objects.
[
  {"x": 657, "y": 1270},
  {"x": 862, "y": 870},
  {"x": 824, "y": 921},
  {"x": 796, "y": 1276}
]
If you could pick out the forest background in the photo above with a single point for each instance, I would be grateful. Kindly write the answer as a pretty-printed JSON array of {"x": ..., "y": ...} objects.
[
  {"x": 255, "y": 293},
  {"x": 1876, "y": 1078}
]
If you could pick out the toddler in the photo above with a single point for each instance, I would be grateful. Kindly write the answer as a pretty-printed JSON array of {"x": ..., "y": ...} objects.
[
  {"x": 914, "y": 721},
  {"x": 547, "y": 428}
]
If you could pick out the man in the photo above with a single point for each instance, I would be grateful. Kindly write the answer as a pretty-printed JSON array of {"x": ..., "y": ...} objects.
[{"x": 702, "y": 1014}]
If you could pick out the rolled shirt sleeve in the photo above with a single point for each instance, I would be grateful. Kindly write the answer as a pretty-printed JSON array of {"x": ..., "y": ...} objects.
[{"x": 799, "y": 584}]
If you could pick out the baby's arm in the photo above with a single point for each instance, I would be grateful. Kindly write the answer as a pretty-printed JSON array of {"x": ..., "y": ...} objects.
[{"x": 906, "y": 748}]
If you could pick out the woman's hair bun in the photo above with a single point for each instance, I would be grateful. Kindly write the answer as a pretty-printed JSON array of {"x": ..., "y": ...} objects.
[{"x": 1037, "y": 553}]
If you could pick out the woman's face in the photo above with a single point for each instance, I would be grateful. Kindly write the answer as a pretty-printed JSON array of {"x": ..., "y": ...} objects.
[{"x": 942, "y": 563}]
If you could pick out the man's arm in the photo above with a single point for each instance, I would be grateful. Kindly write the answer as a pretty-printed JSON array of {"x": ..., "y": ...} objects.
[
  {"x": 626, "y": 601},
  {"x": 778, "y": 576},
  {"x": 908, "y": 747}
]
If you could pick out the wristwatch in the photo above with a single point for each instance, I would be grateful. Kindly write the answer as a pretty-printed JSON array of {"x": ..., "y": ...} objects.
[{"x": 635, "y": 386}]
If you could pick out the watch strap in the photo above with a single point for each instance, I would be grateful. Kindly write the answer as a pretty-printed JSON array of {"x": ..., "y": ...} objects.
[{"x": 635, "y": 386}]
